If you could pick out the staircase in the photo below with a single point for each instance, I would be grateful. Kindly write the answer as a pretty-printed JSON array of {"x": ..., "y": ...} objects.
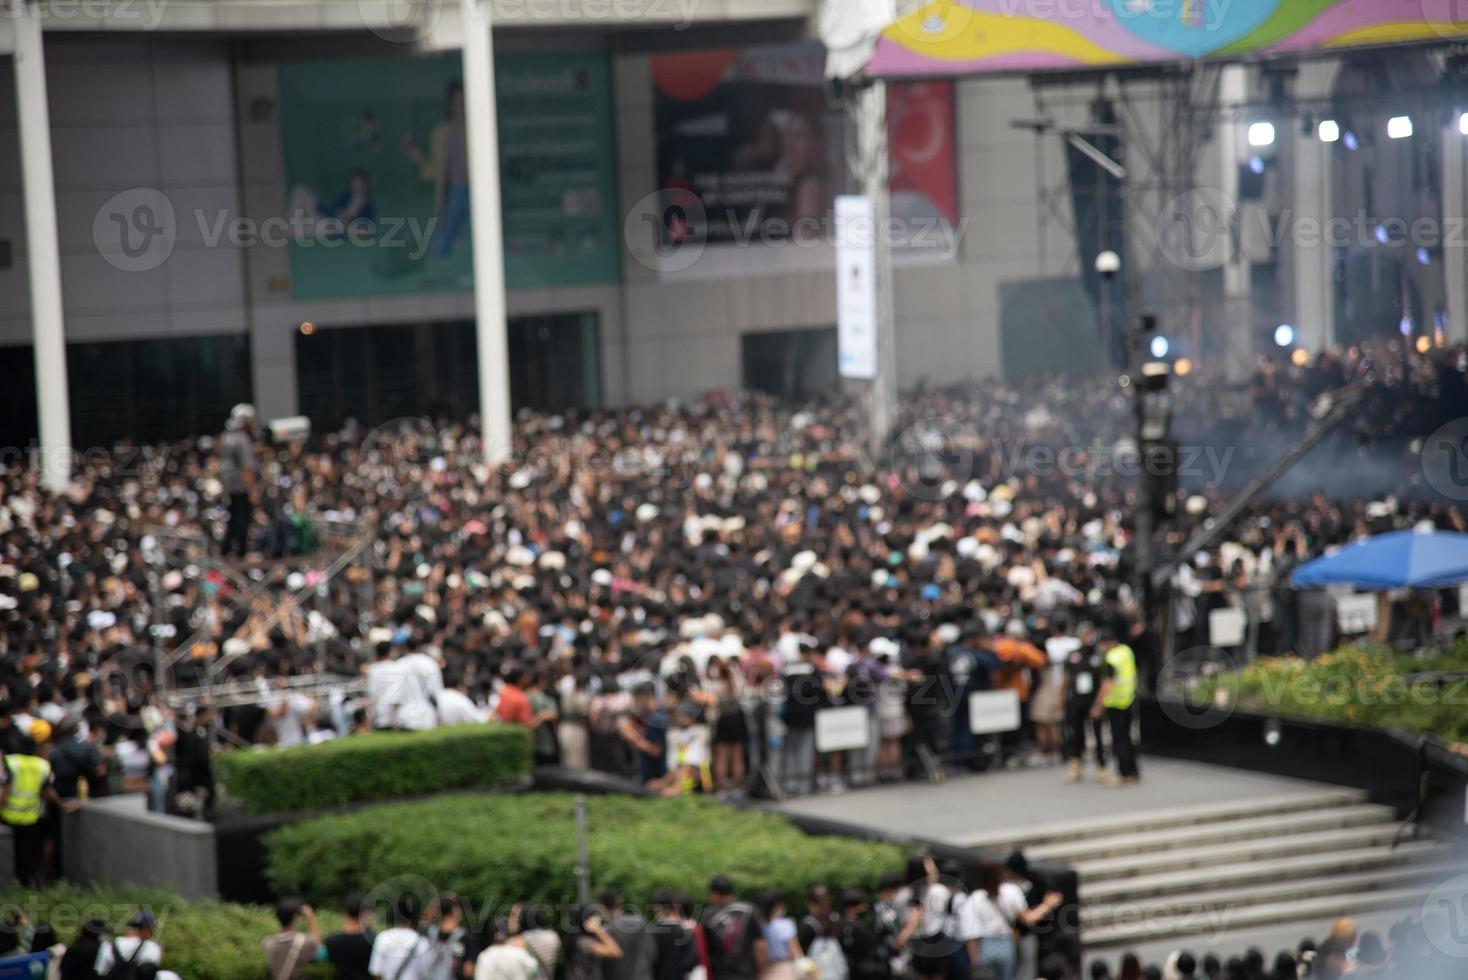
[{"x": 1202, "y": 870}]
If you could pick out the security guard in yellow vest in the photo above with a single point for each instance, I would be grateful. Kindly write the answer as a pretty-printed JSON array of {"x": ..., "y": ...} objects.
[
  {"x": 28, "y": 787},
  {"x": 1118, "y": 695}
]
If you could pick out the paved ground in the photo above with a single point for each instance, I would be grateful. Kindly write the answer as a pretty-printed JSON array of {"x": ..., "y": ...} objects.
[{"x": 983, "y": 806}]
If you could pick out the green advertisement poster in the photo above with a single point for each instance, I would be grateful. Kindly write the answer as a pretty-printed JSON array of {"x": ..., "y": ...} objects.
[{"x": 376, "y": 174}]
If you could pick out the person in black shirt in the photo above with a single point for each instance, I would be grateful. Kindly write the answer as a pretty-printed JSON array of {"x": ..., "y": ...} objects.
[
  {"x": 350, "y": 951},
  {"x": 193, "y": 770},
  {"x": 805, "y": 694},
  {"x": 1085, "y": 669},
  {"x": 866, "y": 955},
  {"x": 674, "y": 951},
  {"x": 734, "y": 935},
  {"x": 74, "y": 759}
]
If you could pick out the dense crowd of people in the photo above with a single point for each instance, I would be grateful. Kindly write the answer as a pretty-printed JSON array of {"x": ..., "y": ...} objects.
[
  {"x": 1406, "y": 952},
  {"x": 672, "y": 592}
]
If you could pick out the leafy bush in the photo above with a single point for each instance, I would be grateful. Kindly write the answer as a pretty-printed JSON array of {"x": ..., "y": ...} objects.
[
  {"x": 497, "y": 850},
  {"x": 200, "y": 938},
  {"x": 1355, "y": 685},
  {"x": 379, "y": 766}
]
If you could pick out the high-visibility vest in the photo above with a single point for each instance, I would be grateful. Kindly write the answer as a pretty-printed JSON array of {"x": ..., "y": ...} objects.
[
  {"x": 1123, "y": 664},
  {"x": 28, "y": 774}
]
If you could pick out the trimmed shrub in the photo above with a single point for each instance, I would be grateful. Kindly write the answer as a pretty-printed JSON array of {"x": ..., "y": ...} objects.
[
  {"x": 379, "y": 766},
  {"x": 497, "y": 850},
  {"x": 200, "y": 938},
  {"x": 1355, "y": 685}
]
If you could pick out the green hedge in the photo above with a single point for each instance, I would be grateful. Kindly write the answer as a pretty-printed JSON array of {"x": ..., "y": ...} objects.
[
  {"x": 1355, "y": 685},
  {"x": 379, "y": 766},
  {"x": 200, "y": 938},
  {"x": 496, "y": 850}
]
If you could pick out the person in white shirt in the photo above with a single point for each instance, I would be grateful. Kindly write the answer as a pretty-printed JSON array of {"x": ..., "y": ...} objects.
[
  {"x": 401, "y": 953},
  {"x": 508, "y": 960},
  {"x": 423, "y": 684},
  {"x": 454, "y": 705},
  {"x": 137, "y": 946}
]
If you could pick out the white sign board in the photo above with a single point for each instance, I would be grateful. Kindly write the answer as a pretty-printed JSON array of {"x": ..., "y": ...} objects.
[
  {"x": 993, "y": 711},
  {"x": 1355, "y": 613},
  {"x": 856, "y": 287},
  {"x": 842, "y": 729},
  {"x": 1226, "y": 627}
]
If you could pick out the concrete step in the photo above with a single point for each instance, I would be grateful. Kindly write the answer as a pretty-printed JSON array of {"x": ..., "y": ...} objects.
[
  {"x": 1214, "y": 921},
  {"x": 1187, "y": 816},
  {"x": 1163, "y": 839},
  {"x": 1104, "y": 915},
  {"x": 1187, "y": 881},
  {"x": 1257, "y": 849}
]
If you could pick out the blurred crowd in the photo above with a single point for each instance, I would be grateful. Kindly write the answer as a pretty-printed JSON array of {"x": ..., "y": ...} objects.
[
  {"x": 733, "y": 565},
  {"x": 1406, "y": 952}
]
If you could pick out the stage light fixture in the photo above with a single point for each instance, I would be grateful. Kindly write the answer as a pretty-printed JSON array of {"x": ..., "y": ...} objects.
[
  {"x": 1463, "y": 123},
  {"x": 1399, "y": 127},
  {"x": 1284, "y": 335},
  {"x": 1329, "y": 131},
  {"x": 1159, "y": 347},
  {"x": 1348, "y": 137},
  {"x": 1261, "y": 134},
  {"x": 1405, "y": 326},
  {"x": 1256, "y": 164},
  {"x": 1424, "y": 257}
]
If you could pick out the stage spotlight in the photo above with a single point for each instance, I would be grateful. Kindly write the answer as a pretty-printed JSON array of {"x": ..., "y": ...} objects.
[
  {"x": 1159, "y": 346},
  {"x": 1399, "y": 127},
  {"x": 1424, "y": 344},
  {"x": 1261, "y": 134},
  {"x": 1405, "y": 326},
  {"x": 1284, "y": 335},
  {"x": 1424, "y": 257},
  {"x": 1329, "y": 131},
  {"x": 1463, "y": 123},
  {"x": 1256, "y": 164},
  {"x": 1351, "y": 142},
  {"x": 1183, "y": 367}
]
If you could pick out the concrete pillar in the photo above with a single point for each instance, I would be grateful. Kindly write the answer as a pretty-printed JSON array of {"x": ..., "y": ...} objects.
[
  {"x": 484, "y": 211},
  {"x": 1237, "y": 326},
  {"x": 1455, "y": 257},
  {"x": 1313, "y": 258},
  {"x": 43, "y": 251}
]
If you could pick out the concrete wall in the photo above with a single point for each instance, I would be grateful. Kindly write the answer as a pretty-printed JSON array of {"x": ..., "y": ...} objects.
[
  {"x": 129, "y": 112},
  {"x": 116, "y": 841}
]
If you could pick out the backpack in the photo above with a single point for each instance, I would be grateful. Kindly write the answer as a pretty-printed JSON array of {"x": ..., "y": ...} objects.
[
  {"x": 825, "y": 952},
  {"x": 125, "y": 969}
]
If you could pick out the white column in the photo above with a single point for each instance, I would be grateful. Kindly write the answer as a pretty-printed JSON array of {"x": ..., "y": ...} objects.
[
  {"x": 1236, "y": 341},
  {"x": 484, "y": 212},
  {"x": 43, "y": 252},
  {"x": 1455, "y": 257},
  {"x": 1313, "y": 260},
  {"x": 874, "y": 163}
]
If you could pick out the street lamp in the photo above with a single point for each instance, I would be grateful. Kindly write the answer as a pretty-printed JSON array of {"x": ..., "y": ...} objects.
[{"x": 1108, "y": 264}]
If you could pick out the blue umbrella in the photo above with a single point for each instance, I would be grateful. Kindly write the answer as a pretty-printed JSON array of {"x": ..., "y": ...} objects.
[{"x": 1401, "y": 559}]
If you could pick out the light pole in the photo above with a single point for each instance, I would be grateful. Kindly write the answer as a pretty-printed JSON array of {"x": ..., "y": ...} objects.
[{"x": 1108, "y": 263}]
